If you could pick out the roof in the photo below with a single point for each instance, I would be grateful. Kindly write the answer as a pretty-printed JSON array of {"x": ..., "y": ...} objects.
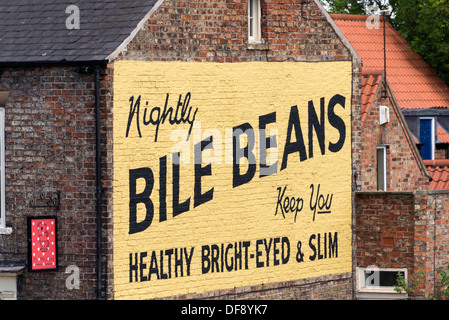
[
  {"x": 414, "y": 84},
  {"x": 439, "y": 170},
  {"x": 442, "y": 135},
  {"x": 35, "y": 30},
  {"x": 370, "y": 85}
]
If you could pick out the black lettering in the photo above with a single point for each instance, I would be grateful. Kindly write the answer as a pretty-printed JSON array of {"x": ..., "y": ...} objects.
[
  {"x": 144, "y": 197},
  {"x": 143, "y": 266},
  {"x": 205, "y": 260},
  {"x": 185, "y": 106},
  {"x": 246, "y": 152},
  {"x": 275, "y": 252},
  {"x": 230, "y": 266},
  {"x": 299, "y": 254},
  {"x": 238, "y": 255},
  {"x": 333, "y": 246},
  {"x": 246, "y": 245},
  {"x": 285, "y": 250},
  {"x": 337, "y": 122},
  {"x": 188, "y": 259},
  {"x": 163, "y": 189},
  {"x": 178, "y": 263},
  {"x": 266, "y": 143},
  {"x": 157, "y": 117},
  {"x": 317, "y": 125},
  {"x": 178, "y": 207},
  {"x": 312, "y": 246},
  {"x": 200, "y": 198},
  {"x": 175, "y": 120},
  {"x": 132, "y": 111},
  {"x": 279, "y": 203},
  {"x": 133, "y": 267},
  {"x": 298, "y": 145},
  {"x": 320, "y": 256},
  {"x": 259, "y": 264},
  {"x": 267, "y": 249},
  {"x": 214, "y": 258},
  {"x": 163, "y": 275},
  {"x": 152, "y": 120},
  {"x": 153, "y": 266},
  {"x": 169, "y": 253}
]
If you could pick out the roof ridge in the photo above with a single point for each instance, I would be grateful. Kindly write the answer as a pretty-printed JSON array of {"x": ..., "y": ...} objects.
[
  {"x": 344, "y": 16},
  {"x": 438, "y": 163},
  {"x": 372, "y": 72}
]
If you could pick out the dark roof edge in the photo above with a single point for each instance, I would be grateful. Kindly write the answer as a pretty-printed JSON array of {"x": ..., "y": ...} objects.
[
  {"x": 52, "y": 63},
  {"x": 346, "y": 43},
  {"x": 122, "y": 47}
]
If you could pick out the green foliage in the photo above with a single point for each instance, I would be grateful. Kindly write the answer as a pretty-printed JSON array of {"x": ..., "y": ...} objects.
[
  {"x": 408, "y": 286},
  {"x": 425, "y": 26},
  {"x": 444, "y": 283},
  {"x": 355, "y": 6}
]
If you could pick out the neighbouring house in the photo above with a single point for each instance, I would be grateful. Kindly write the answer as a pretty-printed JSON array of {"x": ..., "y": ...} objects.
[
  {"x": 421, "y": 95},
  {"x": 176, "y": 149},
  {"x": 402, "y": 203}
]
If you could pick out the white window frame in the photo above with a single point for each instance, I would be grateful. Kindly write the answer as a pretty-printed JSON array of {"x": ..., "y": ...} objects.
[
  {"x": 433, "y": 134},
  {"x": 254, "y": 22},
  {"x": 372, "y": 292},
  {"x": 3, "y": 228},
  {"x": 384, "y": 173}
]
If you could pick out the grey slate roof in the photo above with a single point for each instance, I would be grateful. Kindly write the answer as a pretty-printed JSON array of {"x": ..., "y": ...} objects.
[{"x": 35, "y": 30}]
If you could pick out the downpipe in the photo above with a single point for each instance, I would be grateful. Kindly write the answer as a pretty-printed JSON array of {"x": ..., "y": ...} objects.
[{"x": 98, "y": 177}]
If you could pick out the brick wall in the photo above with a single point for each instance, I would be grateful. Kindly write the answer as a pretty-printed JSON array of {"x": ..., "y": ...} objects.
[
  {"x": 431, "y": 239},
  {"x": 404, "y": 230},
  {"x": 331, "y": 287},
  {"x": 210, "y": 31},
  {"x": 441, "y": 153},
  {"x": 385, "y": 230},
  {"x": 403, "y": 170},
  {"x": 217, "y": 31},
  {"x": 50, "y": 146}
]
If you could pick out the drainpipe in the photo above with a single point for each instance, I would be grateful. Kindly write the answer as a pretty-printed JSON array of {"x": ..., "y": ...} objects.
[{"x": 98, "y": 176}]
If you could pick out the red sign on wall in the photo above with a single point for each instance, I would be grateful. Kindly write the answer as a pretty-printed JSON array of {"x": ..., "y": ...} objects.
[{"x": 42, "y": 243}]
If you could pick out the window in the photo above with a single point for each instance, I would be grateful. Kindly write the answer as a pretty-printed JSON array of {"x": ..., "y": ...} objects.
[
  {"x": 3, "y": 229},
  {"x": 382, "y": 168},
  {"x": 427, "y": 138},
  {"x": 379, "y": 283},
  {"x": 254, "y": 29}
]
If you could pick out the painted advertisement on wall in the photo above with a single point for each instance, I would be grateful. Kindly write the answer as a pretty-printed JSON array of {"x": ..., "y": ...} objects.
[{"x": 229, "y": 175}]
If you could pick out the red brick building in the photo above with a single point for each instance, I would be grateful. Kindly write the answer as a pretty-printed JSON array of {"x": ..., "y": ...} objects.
[
  {"x": 56, "y": 86},
  {"x": 402, "y": 202}
]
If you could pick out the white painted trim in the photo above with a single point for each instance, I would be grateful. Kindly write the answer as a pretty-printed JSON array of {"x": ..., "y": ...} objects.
[
  {"x": 257, "y": 28},
  {"x": 365, "y": 292},
  {"x": 384, "y": 159},
  {"x": 122, "y": 47}
]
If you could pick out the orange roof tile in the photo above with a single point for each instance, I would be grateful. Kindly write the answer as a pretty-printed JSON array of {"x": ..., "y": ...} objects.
[
  {"x": 414, "y": 84},
  {"x": 442, "y": 134},
  {"x": 439, "y": 170},
  {"x": 370, "y": 84}
]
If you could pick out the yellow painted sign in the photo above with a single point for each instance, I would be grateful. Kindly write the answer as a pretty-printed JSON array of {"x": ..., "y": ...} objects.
[{"x": 229, "y": 175}]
